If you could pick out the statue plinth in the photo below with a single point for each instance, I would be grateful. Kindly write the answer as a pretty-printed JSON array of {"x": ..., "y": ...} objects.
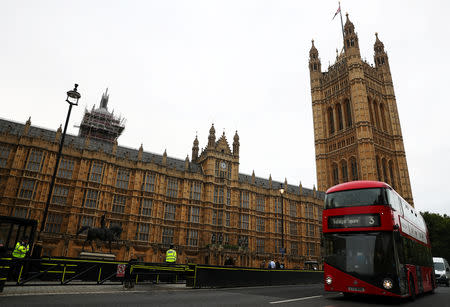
[{"x": 97, "y": 256}]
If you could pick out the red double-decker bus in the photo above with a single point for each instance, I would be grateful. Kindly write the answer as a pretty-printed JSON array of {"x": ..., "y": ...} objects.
[{"x": 374, "y": 242}]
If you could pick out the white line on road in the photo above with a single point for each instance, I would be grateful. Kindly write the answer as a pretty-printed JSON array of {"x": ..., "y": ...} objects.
[{"x": 296, "y": 299}]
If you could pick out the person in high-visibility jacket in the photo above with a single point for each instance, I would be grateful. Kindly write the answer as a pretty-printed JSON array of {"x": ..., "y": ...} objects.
[
  {"x": 21, "y": 249},
  {"x": 171, "y": 255}
]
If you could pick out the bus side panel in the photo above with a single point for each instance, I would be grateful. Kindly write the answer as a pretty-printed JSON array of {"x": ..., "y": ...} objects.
[
  {"x": 427, "y": 277},
  {"x": 343, "y": 282},
  {"x": 422, "y": 276}
]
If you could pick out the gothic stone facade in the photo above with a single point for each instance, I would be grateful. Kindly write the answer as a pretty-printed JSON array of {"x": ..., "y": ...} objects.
[
  {"x": 204, "y": 206},
  {"x": 356, "y": 123}
]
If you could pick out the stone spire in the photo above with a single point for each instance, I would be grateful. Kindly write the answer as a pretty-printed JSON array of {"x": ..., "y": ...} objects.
[
  {"x": 104, "y": 100},
  {"x": 164, "y": 157},
  {"x": 212, "y": 137},
  {"x": 195, "y": 150},
  {"x": 58, "y": 134},
  {"x": 186, "y": 163},
  {"x": 27, "y": 126},
  {"x": 140, "y": 152},
  {"x": 236, "y": 145},
  {"x": 253, "y": 177},
  {"x": 380, "y": 57},
  {"x": 350, "y": 38},
  {"x": 314, "y": 61}
]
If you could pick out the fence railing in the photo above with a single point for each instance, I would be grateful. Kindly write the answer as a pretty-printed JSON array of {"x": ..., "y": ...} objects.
[
  {"x": 69, "y": 271},
  {"x": 64, "y": 271},
  {"x": 224, "y": 276}
]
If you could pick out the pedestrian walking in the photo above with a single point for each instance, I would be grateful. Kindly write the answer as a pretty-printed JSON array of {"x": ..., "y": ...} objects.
[{"x": 272, "y": 264}]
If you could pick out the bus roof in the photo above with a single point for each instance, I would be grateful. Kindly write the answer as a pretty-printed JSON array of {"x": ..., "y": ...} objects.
[{"x": 359, "y": 184}]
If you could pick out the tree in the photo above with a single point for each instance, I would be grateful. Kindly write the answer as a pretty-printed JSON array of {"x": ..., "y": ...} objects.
[{"x": 439, "y": 232}]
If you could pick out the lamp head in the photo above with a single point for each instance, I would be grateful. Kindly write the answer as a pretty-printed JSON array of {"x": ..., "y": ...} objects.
[{"x": 73, "y": 96}]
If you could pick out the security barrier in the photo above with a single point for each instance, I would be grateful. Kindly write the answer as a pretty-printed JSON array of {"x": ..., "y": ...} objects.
[
  {"x": 220, "y": 276},
  {"x": 64, "y": 271}
]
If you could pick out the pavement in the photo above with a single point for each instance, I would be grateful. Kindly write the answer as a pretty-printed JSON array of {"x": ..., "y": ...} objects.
[{"x": 58, "y": 289}]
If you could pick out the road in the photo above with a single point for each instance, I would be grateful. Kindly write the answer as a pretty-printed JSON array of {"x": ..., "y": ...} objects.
[{"x": 299, "y": 295}]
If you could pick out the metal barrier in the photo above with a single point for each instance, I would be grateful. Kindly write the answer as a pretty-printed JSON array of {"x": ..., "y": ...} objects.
[
  {"x": 157, "y": 272},
  {"x": 44, "y": 271},
  {"x": 220, "y": 276},
  {"x": 62, "y": 270},
  {"x": 65, "y": 271}
]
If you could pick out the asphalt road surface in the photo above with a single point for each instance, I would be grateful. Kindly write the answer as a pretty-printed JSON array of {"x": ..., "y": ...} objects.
[{"x": 299, "y": 295}]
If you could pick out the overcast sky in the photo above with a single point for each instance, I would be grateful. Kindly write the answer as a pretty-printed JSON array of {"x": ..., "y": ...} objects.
[{"x": 175, "y": 67}]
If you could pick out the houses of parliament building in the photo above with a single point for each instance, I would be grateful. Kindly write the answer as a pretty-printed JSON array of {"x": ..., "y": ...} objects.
[{"x": 203, "y": 204}]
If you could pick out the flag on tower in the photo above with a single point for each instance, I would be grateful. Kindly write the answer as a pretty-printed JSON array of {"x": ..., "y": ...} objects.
[{"x": 338, "y": 11}]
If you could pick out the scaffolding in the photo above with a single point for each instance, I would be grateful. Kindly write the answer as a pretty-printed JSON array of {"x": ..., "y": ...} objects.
[{"x": 101, "y": 124}]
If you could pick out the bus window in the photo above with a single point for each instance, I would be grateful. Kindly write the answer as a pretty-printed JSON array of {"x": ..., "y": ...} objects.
[
  {"x": 354, "y": 198},
  {"x": 394, "y": 201}
]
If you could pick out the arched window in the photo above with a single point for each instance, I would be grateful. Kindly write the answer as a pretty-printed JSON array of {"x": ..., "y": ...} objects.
[
  {"x": 339, "y": 117},
  {"x": 383, "y": 117},
  {"x": 385, "y": 175},
  {"x": 391, "y": 172},
  {"x": 371, "y": 114},
  {"x": 354, "y": 168},
  {"x": 378, "y": 168},
  {"x": 335, "y": 174},
  {"x": 348, "y": 113},
  {"x": 331, "y": 120},
  {"x": 344, "y": 171},
  {"x": 377, "y": 118}
]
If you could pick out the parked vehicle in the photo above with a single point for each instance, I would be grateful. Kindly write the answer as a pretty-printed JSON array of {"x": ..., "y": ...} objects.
[{"x": 441, "y": 271}]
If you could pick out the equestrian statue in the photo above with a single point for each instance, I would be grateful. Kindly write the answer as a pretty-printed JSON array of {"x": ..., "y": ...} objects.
[{"x": 103, "y": 234}]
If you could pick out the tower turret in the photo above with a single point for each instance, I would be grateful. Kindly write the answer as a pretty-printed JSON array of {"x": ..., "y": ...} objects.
[
  {"x": 195, "y": 150},
  {"x": 236, "y": 145},
  {"x": 380, "y": 57},
  {"x": 314, "y": 61},
  {"x": 350, "y": 39},
  {"x": 212, "y": 137}
]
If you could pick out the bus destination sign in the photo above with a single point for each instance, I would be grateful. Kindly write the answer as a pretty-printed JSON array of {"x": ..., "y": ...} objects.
[{"x": 351, "y": 221}]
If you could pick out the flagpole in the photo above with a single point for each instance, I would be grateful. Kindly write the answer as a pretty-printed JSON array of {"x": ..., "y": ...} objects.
[{"x": 342, "y": 24}]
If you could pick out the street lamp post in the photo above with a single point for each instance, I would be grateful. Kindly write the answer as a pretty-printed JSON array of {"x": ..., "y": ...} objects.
[
  {"x": 282, "y": 220},
  {"x": 72, "y": 99}
]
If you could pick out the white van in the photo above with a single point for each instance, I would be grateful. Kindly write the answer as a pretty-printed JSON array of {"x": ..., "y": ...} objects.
[{"x": 441, "y": 271}]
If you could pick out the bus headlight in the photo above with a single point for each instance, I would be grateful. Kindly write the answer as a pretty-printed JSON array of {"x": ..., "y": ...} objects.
[
  {"x": 387, "y": 283},
  {"x": 328, "y": 280}
]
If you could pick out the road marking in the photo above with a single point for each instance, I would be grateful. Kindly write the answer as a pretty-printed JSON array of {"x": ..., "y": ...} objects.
[{"x": 296, "y": 299}]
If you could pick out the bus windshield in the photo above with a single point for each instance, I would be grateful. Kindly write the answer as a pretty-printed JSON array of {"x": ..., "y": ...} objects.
[
  {"x": 361, "y": 254},
  {"x": 354, "y": 198}
]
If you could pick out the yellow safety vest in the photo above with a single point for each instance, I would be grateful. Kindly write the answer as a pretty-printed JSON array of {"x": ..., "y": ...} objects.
[
  {"x": 171, "y": 255},
  {"x": 20, "y": 250}
]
